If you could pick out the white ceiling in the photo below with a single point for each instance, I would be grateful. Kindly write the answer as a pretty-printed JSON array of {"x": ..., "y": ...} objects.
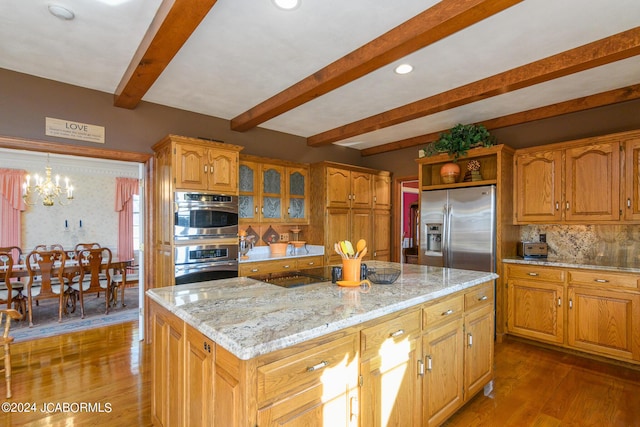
[{"x": 246, "y": 51}]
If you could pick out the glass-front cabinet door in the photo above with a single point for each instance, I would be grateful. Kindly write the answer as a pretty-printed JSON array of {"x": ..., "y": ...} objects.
[
  {"x": 272, "y": 193},
  {"x": 297, "y": 190},
  {"x": 249, "y": 172}
]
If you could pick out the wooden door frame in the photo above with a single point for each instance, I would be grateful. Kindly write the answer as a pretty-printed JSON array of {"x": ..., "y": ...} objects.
[{"x": 397, "y": 214}]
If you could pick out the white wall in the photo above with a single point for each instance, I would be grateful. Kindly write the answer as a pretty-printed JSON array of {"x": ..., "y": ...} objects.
[{"x": 93, "y": 204}]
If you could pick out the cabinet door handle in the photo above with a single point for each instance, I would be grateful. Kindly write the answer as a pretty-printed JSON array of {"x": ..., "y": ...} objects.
[
  {"x": 469, "y": 339},
  {"x": 567, "y": 205},
  {"x": 601, "y": 280},
  {"x": 355, "y": 407},
  {"x": 429, "y": 365},
  {"x": 421, "y": 368},
  {"x": 206, "y": 168},
  {"x": 354, "y": 197},
  {"x": 320, "y": 365},
  {"x": 570, "y": 303},
  {"x": 628, "y": 203},
  {"x": 533, "y": 274},
  {"x": 448, "y": 312},
  {"x": 211, "y": 169},
  {"x": 557, "y": 206},
  {"x": 397, "y": 333},
  {"x": 483, "y": 298},
  {"x": 256, "y": 209},
  {"x": 559, "y": 302},
  {"x": 349, "y": 197}
]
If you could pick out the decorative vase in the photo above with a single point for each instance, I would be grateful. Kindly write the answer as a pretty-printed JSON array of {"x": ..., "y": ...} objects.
[{"x": 449, "y": 173}]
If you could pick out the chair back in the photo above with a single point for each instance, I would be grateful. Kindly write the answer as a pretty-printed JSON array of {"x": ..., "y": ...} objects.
[
  {"x": 96, "y": 264},
  {"x": 48, "y": 266},
  {"x": 52, "y": 247},
  {"x": 16, "y": 252},
  {"x": 82, "y": 246},
  {"x": 6, "y": 267}
]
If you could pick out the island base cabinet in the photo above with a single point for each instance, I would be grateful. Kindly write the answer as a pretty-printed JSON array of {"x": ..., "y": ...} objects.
[
  {"x": 198, "y": 379},
  {"x": 443, "y": 380},
  {"x": 168, "y": 349},
  {"x": 604, "y": 322}
]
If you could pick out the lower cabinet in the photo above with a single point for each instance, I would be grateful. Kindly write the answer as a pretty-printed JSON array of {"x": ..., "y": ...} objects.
[
  {"x": 600, "y": 309},
  {"x": 279, "y": 265},
  {"x": 412, "y": 368},
  {"x": 389, "y": 373}
]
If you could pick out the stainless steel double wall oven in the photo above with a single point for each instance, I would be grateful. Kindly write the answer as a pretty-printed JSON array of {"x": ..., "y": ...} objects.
[{"x": 206, "y": 236}]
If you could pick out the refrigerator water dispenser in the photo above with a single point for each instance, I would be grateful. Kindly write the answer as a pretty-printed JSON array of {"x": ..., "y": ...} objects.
[{"x": 434, "y": 237}]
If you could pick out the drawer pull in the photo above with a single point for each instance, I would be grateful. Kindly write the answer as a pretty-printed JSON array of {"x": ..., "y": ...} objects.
[
  {"x": 255, "y": 270},
  {"x": 483, "y": 298},
  {"x": 320, "y": 365},
  {"x": 533, "y": 274},
  {"x": 601, "y": 280},
  {"x": 448, "y": 312},
  {"x": 285, "y": 266},
  {"x": 397, "y": 333}
]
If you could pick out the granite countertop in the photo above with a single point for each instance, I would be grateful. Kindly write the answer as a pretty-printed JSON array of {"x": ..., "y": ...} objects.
[
  {"x": 250, "y": 318},
  {"x": 593, "y": 264},
  {"x": 261, "y": 253}
]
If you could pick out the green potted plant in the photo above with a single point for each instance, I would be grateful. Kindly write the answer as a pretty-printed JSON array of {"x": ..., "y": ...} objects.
[
  {"x": 460, "y": 139},
  {"x": 456, "y": 142}
]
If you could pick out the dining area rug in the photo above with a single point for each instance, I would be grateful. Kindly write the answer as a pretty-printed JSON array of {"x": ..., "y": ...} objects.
[{"x": 45, "y": 317}]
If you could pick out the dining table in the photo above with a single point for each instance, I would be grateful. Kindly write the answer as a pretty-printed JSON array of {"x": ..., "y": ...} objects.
[{"x": 19, "y": 271}]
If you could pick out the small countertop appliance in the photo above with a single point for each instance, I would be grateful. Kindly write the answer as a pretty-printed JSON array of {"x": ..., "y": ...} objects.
[{"x": 532, "y": 250}]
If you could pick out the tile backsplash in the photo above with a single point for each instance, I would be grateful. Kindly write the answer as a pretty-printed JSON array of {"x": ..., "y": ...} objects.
[{"x": 619, "y": 244}]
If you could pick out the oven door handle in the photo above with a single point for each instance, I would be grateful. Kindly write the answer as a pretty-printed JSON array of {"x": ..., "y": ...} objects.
[{"x": 205, "y": 267}]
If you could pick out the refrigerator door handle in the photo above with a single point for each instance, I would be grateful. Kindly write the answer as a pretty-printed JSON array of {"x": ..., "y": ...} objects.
[{"x": 446, "y": 235}]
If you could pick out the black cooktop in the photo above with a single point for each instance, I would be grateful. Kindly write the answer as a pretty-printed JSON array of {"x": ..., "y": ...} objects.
[{"x": 295, "y": 278}]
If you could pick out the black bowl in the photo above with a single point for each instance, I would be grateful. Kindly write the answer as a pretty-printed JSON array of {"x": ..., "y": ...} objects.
[{"x": 383, "y": 276}]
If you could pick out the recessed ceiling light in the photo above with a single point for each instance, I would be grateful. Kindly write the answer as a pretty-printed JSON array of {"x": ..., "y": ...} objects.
[
  {"x": 403, "y": 69},
  {"x": 287, "y": 4},
  {"x": 61, "y": 12}
]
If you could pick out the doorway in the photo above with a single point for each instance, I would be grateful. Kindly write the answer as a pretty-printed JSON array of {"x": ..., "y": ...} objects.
[{"x": 405, "y": 229}]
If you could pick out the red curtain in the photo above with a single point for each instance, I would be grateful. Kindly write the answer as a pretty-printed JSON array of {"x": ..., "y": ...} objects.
[
  {"x": 125, "y": 189},
  {"x": 11, "y": 204}
]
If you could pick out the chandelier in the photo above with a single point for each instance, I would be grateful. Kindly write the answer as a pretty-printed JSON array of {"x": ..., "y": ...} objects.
[{"x": 46, "y": 189}]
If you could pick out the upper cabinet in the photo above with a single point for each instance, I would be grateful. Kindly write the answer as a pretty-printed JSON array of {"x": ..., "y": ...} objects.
[
  {"x": 273, "y": 192},
  {"x": 594, "y": 180},
  {"x": 349, "y": 188},
  {"x": 207, "y": 167}
]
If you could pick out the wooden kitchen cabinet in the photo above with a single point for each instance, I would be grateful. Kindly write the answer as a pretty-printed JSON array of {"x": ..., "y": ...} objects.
[
  {"x": 167, "y": 403},
  {"x": 535, "y": 303},
  {"x": 318, "y": 386},
  {"x": 631, "y": 202},
  {"x": 479, "y": 338},
  {"x": 538, "y": 186},
  {"x": 206, "y": 167},
  {"x": 601, "y": 309},
  {"x": 593, "y": 182},
  {"x": 199, "y": 361},
  {"x": 349, "y": 203},
  {"x": 599, "y": 185},
  {"x": 390, "y": 381},
  {"x": 279, "y": 265},
  {"x": 273, "y": 192}
]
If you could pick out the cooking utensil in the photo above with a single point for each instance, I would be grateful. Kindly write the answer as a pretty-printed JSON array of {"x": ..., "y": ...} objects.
[
  {"x": 350, "y": 252},
  {"x": 363, "y": 253},
  {"x": 360, "y": 245},
  {"x": 338, "y": 250}
]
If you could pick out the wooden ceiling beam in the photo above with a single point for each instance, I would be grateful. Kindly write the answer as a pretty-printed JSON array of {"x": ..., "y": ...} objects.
[
  {"x": 579, "y": 104},
  {"x": 443, "y": 19},
  {"x": 172, "y": 26},
  {"x": 620, "y": 46}
]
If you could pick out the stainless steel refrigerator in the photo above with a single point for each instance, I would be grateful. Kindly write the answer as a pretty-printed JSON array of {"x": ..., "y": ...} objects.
[{"x": 458, "y": 228}]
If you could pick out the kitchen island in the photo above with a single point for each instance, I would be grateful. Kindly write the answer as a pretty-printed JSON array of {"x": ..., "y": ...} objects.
[{"x": 239, "y": 352}]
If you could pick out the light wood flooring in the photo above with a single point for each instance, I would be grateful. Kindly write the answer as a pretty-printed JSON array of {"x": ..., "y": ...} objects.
[{"x": 533, "y": 386}]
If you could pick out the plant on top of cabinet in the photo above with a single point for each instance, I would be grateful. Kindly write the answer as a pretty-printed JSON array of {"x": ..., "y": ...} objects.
[{"x": 460, "y": 139}]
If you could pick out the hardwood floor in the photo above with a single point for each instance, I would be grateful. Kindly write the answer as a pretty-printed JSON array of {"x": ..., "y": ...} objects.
[
  {"x": 108, "y": 366},
  {"x": 539, "y": 387}
]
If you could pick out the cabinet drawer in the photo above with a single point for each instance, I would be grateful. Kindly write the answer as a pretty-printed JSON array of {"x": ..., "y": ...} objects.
[
  {"x": 309, "y": 262},
  {"x": 264, "y": 267},
  {"x": 604, "y": 278},
  {"x": 534, "y": 272},
  {"x": 333, "y": 363},
  {"x": 443, "y": 311},
  {"x": 396, "y": 329},
  {"x": 478, "y": 297}
]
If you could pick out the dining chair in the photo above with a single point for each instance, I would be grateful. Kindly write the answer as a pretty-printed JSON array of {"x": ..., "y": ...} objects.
[
  {"x": 81, "y": 246},
  {"x": 46, "y": 279},
  {"x": 118, "y": 279},
  {"x": 5, "y": 324},
  {"x": 94, "y": 275},
  {"x": 8, "y": 293}
]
